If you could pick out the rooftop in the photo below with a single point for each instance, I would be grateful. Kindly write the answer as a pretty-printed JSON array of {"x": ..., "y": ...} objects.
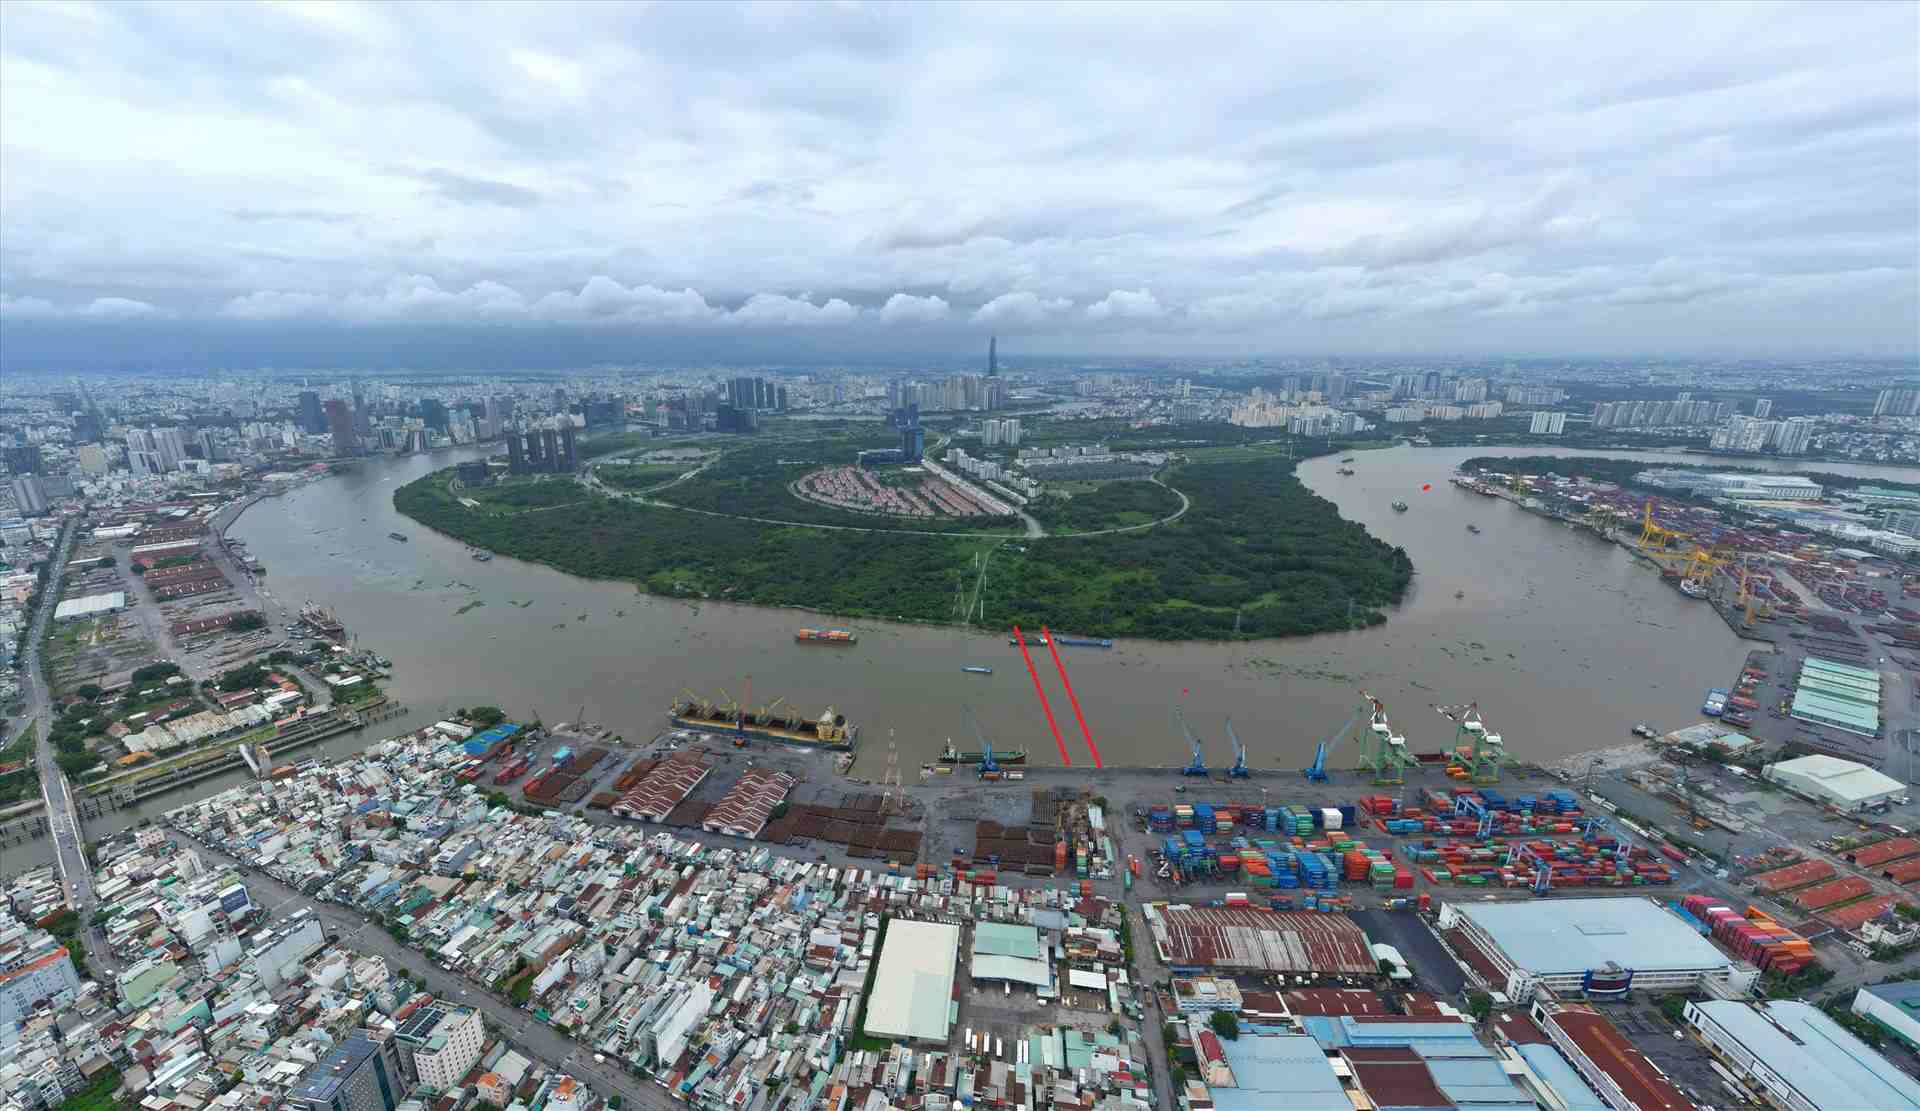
[
  {"x": 1286, "y": 1070},
  {"x": 913, "y": 987},
  {"x": 1841, "y": 777},
  {"x": 1638, "y": 1078},
  {"x": 1549, "y": 936},
  {"x": 90, "y": 605},
  {"x": 1827, "y": 1065}
]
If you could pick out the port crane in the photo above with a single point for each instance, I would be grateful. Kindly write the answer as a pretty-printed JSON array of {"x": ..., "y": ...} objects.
[
  {"x": 987, "y": 764},
  {"x": 1382, "y": 751},
  {"x": 1482, "y": 750},
  {"x": 1239, "y": 769},
  {"x": 1654, "y": 537},
  {"x": 1198, "y": 765},
  {"x": 1316, "y": 772}
]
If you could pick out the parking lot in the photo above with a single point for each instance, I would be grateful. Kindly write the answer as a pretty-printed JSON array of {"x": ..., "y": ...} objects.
[{"x": 1685, "y": 1061}]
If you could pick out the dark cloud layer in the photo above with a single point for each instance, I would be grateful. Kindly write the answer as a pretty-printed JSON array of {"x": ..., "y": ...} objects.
[{"x": 1577, "y": 178}]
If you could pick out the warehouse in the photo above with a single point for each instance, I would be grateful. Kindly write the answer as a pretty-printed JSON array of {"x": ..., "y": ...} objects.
[
  {"x": 655, "y": 796},
  {"x": 1010, "y": 953},
  {"x": 1596, "y": 946},
  {"x": 1839, "y": 783},
  {"x": 1895, "y": 1008},
  {"x": 1194, "y": 938},
  {"x": 1801, "y": 1058},
  {"x": 1839, "y": 695},
  {"x": 93, "y": 605},
  {"x": 913, "y": 988},
  {"x": 748, "y": 805}
]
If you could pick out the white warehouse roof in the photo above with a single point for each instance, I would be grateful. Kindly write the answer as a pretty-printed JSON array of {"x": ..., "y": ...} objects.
[
  {"x": 1564, "y": 936},
  {"x": 1835, "y": 777},
  {"x": 90, "y": 605},
  {"x": 913, "y": 987}
]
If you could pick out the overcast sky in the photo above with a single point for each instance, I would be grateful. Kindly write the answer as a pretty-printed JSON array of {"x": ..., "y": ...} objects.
[{"x": 1532, "y": 178}]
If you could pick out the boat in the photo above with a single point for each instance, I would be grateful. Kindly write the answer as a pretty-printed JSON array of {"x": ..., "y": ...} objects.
[
  {"x": 1716, "y": 703},
  {"x": 1344, "y": 471},
  {"x": 978, "y": 670},
  {"x": 769, "y": 723},
  {"x": 1459, "y": 594},
  {"x": 1474, "y": 529},
  {"x": 400, "y": 536},
  {"x": 1399, "y": 506},
  {"x": 1693, "y": 589},
  {"x": 322, "y": 622},
  {"x": 1061, "y": 639},
  {"x": 952, "y": 755},
  {"x": 483, "y": 556},
  {"x": 1642, "y": 729},
  {"x": 1348, "y": 459},
  {"x": 825, "y": 636}
]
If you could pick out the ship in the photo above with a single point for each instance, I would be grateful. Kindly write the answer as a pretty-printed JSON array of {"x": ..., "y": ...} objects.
[
  {"x": 952, "y": 755},
  {"x": 1399, "y": 507},
  {"x": 1474, "y": 529},
  {"x": 977, "y": 670},
  {"x": 1348, "y": 459},
  {"x": 1061, "y": 639},
  {"x": 400, "y": 536},
  {"x": 1345, "y": 471},
  {"x": 825, "y": 636},
  {"x": 769, "y": 723},
  {"x": 1716, "y": 703},
  {"x": 483, "y": 556},
  {"x": 322, "y": 623},
  {"x": 1693, "y": 589}
]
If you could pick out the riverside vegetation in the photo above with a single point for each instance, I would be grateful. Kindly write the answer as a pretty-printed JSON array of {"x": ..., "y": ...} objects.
[{"x": 1256, "y": 555}]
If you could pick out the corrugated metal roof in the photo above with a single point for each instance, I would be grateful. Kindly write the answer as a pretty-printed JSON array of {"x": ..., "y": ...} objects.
[
  {"x": 1548, "y": 936},
  {"x": 1831, "y": 1068},
  {"x": 1287, "y": 1070}
]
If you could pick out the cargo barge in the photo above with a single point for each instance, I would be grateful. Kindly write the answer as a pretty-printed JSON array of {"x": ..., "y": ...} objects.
[
  {"x": 1064, "y": 641},
  {"x": 1716, "y": 703},
  {"x": 322, "y": 622},
  {"x": 825, "y": 636},
  {"x": 954, "y": 756},
  {"x": 829, "y": 731}
]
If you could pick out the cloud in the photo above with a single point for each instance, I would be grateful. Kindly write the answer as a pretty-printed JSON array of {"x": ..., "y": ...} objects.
[
  {"x": 1123, "y": 304},
  {"x": 772, "y": 310},
  {"x": 905, "y": 308},
  {"x": 478, "y": 190},
  {"x": 1022, "y": 307},
  {"x": 100, "y": 308}
]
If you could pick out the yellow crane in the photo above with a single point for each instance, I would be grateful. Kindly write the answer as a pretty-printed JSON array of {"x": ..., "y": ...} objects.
[
  {"x": 1702, "y": 562},
  {"x": 1655, "y": 537}
]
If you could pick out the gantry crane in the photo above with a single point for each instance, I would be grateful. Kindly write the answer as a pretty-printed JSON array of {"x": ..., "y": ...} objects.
[
  {"x": 1382, "y": 751},
  {"x": 1316, "y": 772},
  {"x": 1482, "y": 750},
  {"x": 1702, "y": 562},
  {"x": 1239, "y": 769},
  {"x": 1654, "y": 536},
  {"x": 987, "y": 764},
  {"x": 1197, "y": 766}
]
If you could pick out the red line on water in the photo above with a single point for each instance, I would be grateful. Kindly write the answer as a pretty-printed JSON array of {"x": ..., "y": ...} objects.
[
  {"x": 1059, "y": 741},
  {"x": 1072, "y": 697}
]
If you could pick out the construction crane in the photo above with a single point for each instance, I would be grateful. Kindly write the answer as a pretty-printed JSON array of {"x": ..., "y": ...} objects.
[
  {"x": 1316, "y": 772},
  {"x": 1382, "y": 751},
  {"x": 1198, "y": 765},
  {"x": 1239, "y": 769},
  {"x": 987, "y": 764},
  {"x": 1482, "y": 751}
]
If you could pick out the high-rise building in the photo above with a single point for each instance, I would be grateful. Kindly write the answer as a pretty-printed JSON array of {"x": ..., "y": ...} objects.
[
  {"x": 1547, "y": 424},
  {"x": 1336, "y": 388},
  {"x": 433, "y": 413},
  {"x": 312, "y": 420},
  {"x": 24, "y": 459},
  {"x": 1762, "y": 408},
  {"x": 340, "y": 424},
  {"x": 993, "y": 356},
  {"x": 86, "y": 428},
  {"x": 93, "y": 459},
  {"x": 439, "y": 1042},
  {"x": 1897, "y": 401},
  {"x": 1906, "y": 522},
  {"x": 171, "y": 443},
  {"x": 39, "y": 975},
  {"x": 363, "y": 1073},
  {"x": 30, "y": 495}
]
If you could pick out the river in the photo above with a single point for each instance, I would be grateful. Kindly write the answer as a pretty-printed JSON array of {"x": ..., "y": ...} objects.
[{"x": 1563, "y": 640}]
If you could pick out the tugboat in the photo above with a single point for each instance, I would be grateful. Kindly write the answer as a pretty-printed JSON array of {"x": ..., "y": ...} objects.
[
  {"x": 975, "y": 670},
  {"x": 1474, "y": 529},
  {"x": 400, "y": 536},
  {"x": 1399, "y": 506}
]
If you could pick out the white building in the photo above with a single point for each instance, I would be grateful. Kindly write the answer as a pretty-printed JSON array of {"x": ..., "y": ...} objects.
[
  {"x": 1801, "y": 1059},
  {"x": 1896, "y": 1007},
  {"x": 443, "y": 1042},
  {"x": 1842, "y": 783},
  {"x": 277, "y": 952},
  {"x": 913, "y": 990},
  {"x": 1597, "y": 946},
  {"x": 1548, "y": 424},
  {"x": 43, "y": 976}
]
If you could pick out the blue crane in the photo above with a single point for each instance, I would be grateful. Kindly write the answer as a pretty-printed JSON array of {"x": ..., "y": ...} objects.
[
  {"x": 1239, "y": 769},
  {"x": 987, "y": 764},
  {"x": 1198, "y": 765},
  {"x": 1317, "y": 771}
]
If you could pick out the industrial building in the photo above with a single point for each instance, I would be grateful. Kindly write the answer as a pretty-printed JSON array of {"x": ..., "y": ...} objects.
[
  {"x": 93, "y": 605},
  {"x": 1839, "y": 783},
  {"x": 1286, "y": 1070},
  {"x": 1894, "y": 1008},
  {"x": 1012, "y": 954},
  {"x": 1599, "y": 947},
  {"x": 913, "y": 988},
  {"x": 1801, "y": 1059},
  {"x": 749, "y": 804},
  {"x": 1243, "y": 938},
  {"x": 1838, "y": 695},
  {"x": 1623, "y": 1076}
]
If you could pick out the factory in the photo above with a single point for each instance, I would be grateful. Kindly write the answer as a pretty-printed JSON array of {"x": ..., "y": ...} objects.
[
  {"x": 1842, "y": 784},
  {"x": 913, "y": 988},
  {"x": 1599, "y": 947},
  {"x": 1799, "y": 1057}
]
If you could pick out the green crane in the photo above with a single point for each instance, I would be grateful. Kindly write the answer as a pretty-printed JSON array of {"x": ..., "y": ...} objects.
[{"x": 1382, "y": 751}]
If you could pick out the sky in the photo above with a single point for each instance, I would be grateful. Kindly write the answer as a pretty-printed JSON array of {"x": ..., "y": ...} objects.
[{"x": 320, "y": 184}]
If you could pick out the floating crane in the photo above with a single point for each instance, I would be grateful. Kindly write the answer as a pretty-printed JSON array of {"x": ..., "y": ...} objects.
[
  {"x": 987, "y": 764},
  {"x": 1316, "y": 772},
  {"x": 1198, "y": 765},
  {"x": 1239, "y": 769},
  {"x": 1482, "y": 751},
  {"x": 1382, "y": 751}
]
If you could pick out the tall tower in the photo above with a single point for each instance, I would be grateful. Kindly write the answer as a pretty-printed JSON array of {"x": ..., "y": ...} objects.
[{"x": 993, "y": 356}]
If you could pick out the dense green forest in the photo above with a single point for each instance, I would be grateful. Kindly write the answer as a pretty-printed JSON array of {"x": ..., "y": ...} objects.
[
  {"x": 1113, "y": 505},
  {"x": 1257, "y": 555}
]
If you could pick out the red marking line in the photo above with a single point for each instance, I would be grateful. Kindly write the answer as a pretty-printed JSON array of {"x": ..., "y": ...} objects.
[
  {"x": 1072, "y": 697},
  {"x": 1059, "y": 741}
]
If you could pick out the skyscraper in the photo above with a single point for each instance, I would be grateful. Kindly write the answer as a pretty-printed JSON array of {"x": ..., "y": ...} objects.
[
  {"x": 340, "y": 424},
  {"x": 993, "y": 356},
  {"x": 29, "y": 495},
  {"x": 433, "y": 413},
  {"x": 1762, "y": 408},
  {"x": 312, "y": 420}
]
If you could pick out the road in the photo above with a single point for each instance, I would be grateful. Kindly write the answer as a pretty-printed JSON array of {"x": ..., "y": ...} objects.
[
  {"x": 62, "y": 819},
  {"x": 537, "y": 1039}
]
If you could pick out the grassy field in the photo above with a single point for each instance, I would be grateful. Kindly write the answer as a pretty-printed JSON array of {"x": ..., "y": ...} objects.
[{"x": 640, "y": 476}]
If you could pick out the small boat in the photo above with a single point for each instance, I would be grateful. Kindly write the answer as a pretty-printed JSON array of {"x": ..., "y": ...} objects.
[
  {"x": 1348, "y": 459},
  {"x": 1399, "y": 506},
  {"x": 1642, "y": 729},
  {"x": 825, "y": 636},
  {"x": 1459, "y": 594},
  {"x": 1692, "y": 589},
  {"x": 1344, "y": 471},
  {"x": 483, "y": 556},
  {"x": 1474, "y": 529},
  {"x": 400, "y": 536},
  {"x": 978, "y": 670}
]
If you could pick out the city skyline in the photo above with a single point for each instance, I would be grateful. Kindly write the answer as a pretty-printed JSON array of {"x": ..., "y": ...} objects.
[{"x": 857, "y": 182}]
